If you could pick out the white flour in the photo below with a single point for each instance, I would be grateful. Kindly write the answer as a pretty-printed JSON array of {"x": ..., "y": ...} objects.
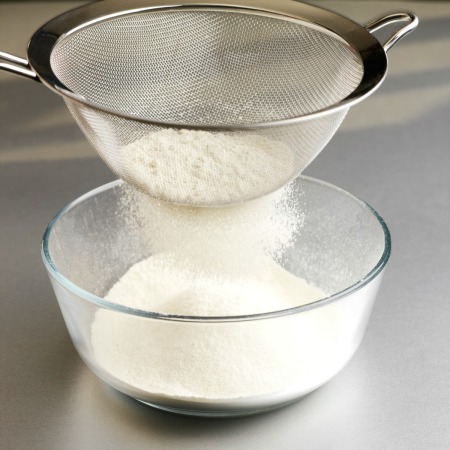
[
  {"x": 203, "y": 168},
  {"x": 214, "y": 262},
  {"x": 223, "y": 241},
  {"x": 216, "y": 361}
]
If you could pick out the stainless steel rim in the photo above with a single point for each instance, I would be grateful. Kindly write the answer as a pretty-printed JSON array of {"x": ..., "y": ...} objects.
[{"x": 372, "y": 54}]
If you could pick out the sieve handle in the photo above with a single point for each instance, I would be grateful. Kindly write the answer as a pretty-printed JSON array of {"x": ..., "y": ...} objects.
[
  {"x": 377, "y": 24},
  {"x": 17, "y": 65}
]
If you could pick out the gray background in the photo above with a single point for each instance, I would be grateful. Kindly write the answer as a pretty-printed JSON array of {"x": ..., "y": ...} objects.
[{"x": 393, "y": 151}]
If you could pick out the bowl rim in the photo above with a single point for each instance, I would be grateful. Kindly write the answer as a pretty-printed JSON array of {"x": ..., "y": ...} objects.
[{"x": 106, "y": 304}]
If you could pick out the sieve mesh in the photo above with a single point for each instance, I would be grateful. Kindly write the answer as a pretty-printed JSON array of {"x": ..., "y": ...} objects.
[{"x": 206, "y": 67}]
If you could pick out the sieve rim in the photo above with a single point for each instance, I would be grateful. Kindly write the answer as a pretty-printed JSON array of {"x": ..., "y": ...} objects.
[
  {"x": 101, "y": 302},
  {"x": 371, "y": 53}
]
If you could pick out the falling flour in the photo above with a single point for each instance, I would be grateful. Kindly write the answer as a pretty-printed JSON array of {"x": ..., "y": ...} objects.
[
  {"x": 217, "y": 263},
  {"x": 203, "y": 168}
]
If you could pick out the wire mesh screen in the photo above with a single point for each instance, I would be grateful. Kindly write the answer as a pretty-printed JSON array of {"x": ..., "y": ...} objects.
[{"x": 207, "y": 66}]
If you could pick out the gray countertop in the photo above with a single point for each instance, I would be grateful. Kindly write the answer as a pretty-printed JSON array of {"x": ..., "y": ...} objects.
[{"x": 393, "y": 151}]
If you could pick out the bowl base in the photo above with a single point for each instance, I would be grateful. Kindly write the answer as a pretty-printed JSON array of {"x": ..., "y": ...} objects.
[{"x": 225, "y": 413}]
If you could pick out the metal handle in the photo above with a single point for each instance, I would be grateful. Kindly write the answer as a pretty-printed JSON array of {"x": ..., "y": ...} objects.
[
  {"x": 17, "y": 65},
  {"x": 393, "y": 18}
]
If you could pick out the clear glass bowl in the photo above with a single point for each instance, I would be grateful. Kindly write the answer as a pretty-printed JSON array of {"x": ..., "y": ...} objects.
[{"x": 342, "y": 247}]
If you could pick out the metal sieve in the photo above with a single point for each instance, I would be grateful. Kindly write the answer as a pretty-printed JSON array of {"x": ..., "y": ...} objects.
[{"x": 204, "y": 103}]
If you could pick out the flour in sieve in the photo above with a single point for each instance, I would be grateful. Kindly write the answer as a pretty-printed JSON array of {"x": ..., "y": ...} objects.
[{"x": 204, "y": 168}]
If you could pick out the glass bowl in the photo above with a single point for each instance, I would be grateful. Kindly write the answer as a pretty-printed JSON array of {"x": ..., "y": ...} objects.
[{"x": 342, "y": 247}]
